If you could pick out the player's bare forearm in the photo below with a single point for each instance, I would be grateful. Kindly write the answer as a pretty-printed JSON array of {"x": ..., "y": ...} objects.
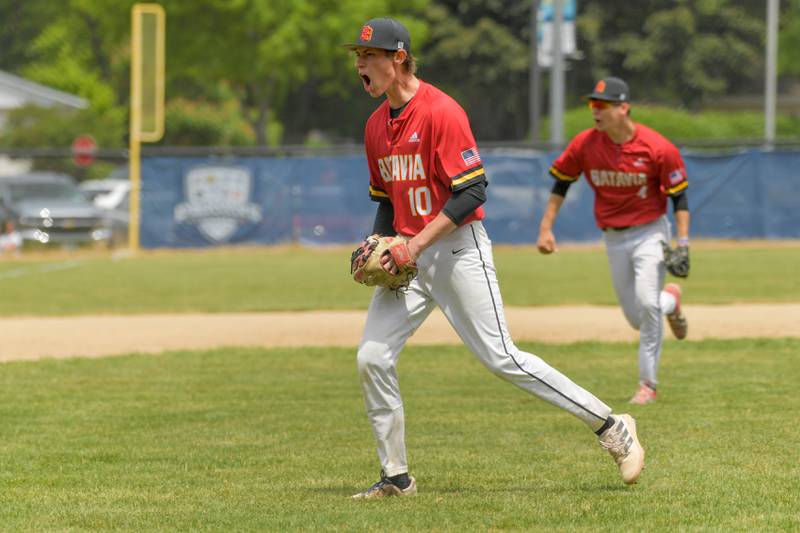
[
  {"x": 554, "y": 203},
  {"x": 546, "y": 243},
  {"x": 682, "y": 224},
  {"x": 435, "y": 230}
]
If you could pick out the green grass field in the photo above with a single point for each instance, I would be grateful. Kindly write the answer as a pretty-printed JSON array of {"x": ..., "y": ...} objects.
[
  {"x": 276, "y": 440},
  {"x": 263, "y": 279}
]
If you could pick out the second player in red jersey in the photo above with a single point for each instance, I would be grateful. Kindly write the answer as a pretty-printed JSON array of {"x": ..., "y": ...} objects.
[
  {"x": 633, "y": 170},
  {"x": 631, "y": 181}
]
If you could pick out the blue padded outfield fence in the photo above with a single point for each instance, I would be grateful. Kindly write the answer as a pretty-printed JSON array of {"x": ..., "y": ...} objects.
[{"x": 205, "y": 201}]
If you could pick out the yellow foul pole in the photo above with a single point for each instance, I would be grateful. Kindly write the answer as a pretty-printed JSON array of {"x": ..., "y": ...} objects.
[{"x": 147, "y": 100}]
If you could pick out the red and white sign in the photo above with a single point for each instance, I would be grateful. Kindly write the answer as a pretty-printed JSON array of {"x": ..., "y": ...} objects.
[{"x": 84, "y": 148}]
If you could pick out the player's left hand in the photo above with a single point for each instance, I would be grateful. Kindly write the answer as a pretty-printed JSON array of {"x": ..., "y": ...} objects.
[
  {"x": 676, "y": 259},
  {"x": 390, "y": 265}
]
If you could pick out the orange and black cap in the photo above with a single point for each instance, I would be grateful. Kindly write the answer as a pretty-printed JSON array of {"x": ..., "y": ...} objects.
[
  {"x": 385, "y": 33},
  {"x": 610, "y": 90}
]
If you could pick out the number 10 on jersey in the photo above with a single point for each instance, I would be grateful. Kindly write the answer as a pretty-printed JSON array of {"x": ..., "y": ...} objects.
[{"x": 419, "y": 198}]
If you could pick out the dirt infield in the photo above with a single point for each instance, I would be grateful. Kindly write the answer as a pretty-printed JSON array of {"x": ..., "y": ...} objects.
[{"x": 98, "y": 336}]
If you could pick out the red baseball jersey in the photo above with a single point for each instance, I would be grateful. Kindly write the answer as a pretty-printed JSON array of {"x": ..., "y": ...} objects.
[
  {"x": 420, "y": 158},
  {"x": 631, "y": 181}
]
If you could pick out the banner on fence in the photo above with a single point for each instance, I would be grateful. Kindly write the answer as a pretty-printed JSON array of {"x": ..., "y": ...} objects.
[{"x": 196, "y": 202}]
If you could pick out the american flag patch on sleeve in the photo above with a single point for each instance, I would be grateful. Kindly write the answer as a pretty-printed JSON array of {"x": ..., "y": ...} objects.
[
  {"x": 471, "y": 156},
  {"x": 676, "y": 176}
]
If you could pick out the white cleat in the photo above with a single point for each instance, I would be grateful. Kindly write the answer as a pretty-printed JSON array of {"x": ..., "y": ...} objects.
[
  {"x": 385, "y": 488},
  {"x": 622, "y": 443}
]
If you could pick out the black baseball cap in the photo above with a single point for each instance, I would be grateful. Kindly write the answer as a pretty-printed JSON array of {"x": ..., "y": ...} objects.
[
  {"x": 385, "y": 33},
  {"x": 611, "y": 90}
]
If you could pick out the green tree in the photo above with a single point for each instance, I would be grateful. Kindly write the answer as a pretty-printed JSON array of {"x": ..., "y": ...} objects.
[
  {"x": 265, "y": 51},
  {"x": 20, "y": 23},
  {"x": 278, "y": 65},
  {"x": 34, "y": 127},
  {"x": 478, "y": 53},
  {"x": 331, "y": 105},
  {"x": 193, "y": 123},
  {"x": 82, "y": 49},
  {"x": 689, "y": 50},
  {"x": 789, "y": 39}
]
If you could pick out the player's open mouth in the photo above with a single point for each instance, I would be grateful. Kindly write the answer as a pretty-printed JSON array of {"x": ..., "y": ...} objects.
[{"x": 366, "y": 80}]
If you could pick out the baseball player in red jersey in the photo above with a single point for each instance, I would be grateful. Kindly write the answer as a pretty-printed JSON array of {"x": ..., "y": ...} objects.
[
  {"x": 428, "y": 179},
  {"x": 632, "y": 170}
]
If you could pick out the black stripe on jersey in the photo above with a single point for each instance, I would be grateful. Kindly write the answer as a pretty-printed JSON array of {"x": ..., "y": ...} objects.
[
  {"x": 502, "y": 337},
  {"x": 467, "y": 178}
]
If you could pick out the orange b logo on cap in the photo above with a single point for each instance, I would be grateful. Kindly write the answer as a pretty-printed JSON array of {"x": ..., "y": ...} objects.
[
  {"x": 600, "y": 87},
  {"x": 366, "y": 33}
]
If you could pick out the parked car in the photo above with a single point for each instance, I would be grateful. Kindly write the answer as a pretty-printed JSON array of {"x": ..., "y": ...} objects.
[
  {"x": 111, "y": 195},
  {"x": 47, "y": 207}
]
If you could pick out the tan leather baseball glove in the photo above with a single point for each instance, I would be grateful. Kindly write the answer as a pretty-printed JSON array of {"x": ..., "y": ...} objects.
[{"x": 366, "y": 268}]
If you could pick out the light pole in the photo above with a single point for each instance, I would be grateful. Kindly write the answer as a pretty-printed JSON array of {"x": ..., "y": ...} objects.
[
  {"x": 534, "y": 75},
  {"x": 557, "y": 78},
  {"x": 770, "y": 81}
]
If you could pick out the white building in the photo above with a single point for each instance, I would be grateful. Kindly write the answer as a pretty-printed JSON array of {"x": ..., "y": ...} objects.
[{"x": 16, "y": 92}]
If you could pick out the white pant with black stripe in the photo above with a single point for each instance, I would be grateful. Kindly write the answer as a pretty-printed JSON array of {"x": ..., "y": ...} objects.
[{"x": 456, "y": 273}]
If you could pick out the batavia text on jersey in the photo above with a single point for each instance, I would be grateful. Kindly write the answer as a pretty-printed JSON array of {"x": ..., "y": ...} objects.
[
  {"x": 399, "y": 167},
  {"x": 615, "y": 178}
]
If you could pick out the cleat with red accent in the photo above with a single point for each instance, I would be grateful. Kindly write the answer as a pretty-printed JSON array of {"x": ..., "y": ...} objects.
[
  {"x": 644, "y": 395},
  {"x": 676, "y": 319}
]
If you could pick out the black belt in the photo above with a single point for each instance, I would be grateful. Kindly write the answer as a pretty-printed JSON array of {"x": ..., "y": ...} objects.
[{"x": 623, "y": 228}]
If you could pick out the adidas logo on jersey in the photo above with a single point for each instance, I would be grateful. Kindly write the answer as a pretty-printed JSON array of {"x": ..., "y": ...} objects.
[{"x": 414, "y": 138}]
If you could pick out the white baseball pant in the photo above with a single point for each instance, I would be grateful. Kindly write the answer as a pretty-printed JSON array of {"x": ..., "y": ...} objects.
[{"x": 456, "y": 273}]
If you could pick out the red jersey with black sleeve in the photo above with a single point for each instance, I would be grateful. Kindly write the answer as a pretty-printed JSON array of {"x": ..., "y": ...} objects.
[
  {"x": 631, "y": 181},
  {"x": 420, "y": 158}
]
